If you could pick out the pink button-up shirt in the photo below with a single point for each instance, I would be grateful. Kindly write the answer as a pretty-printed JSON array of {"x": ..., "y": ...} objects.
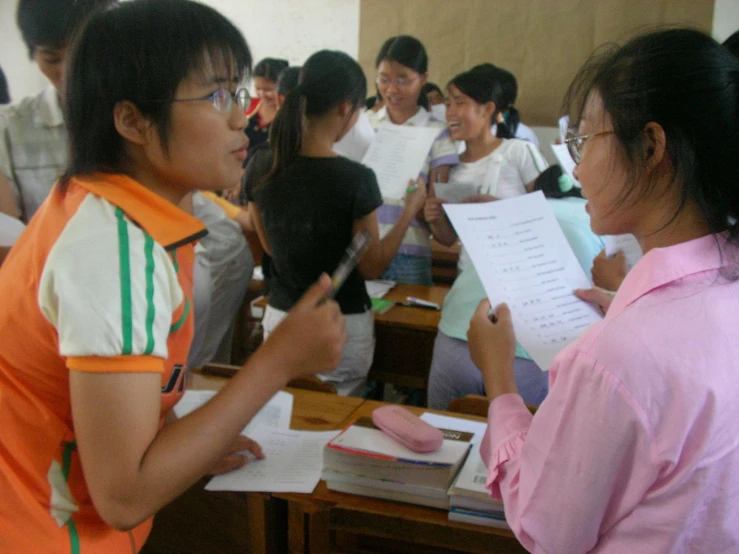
[{"x": 636, "y": 448}]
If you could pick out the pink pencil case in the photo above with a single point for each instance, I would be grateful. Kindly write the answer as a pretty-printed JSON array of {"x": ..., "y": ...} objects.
[{"x": 407, "y": 428}]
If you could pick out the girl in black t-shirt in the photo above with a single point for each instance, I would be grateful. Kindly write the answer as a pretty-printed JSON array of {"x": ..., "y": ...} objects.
[{"x": 313, "y": 202}]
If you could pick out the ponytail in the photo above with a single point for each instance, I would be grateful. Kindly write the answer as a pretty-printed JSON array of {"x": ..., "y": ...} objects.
[
  {"x": 286, "y": 132},
  {"x": 512, "y": 119},
  {"x": 502, "y": 130},
  {"x": 327, "y": 79}
]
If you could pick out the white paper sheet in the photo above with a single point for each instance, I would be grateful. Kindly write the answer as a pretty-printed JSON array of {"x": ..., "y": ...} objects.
[
  {"x": 293, "y": 463},
  {"x": 627, "y": 244},
  {"x": 454, "y": 193},
  {"x": 397, "y": 155},
  {"x": 524, "y": 259},
  {"x": 10, "y": 229},
  {"x": 565, "y": 160},
  {"x": 275, "y": 414},
  {"x": 378, "y": 288},
  {"x": 355, "y": 143}
]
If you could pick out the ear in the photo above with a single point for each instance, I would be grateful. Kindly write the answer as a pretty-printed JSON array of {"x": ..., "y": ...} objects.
[
  {"x": 131, "y": 123},
  {"x": 424, "y": 78},
  {"x": 655, "y": 145},
  {"x": 488, "y": 110},
  {"x": 345, "y": 108}
]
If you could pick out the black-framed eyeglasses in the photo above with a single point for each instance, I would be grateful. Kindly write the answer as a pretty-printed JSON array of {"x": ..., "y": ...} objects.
[
  {"x": 223, "y": 99},
  {"x": 576, "y": 142}
]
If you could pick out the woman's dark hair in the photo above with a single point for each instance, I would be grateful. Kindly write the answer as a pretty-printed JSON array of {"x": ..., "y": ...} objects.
[
  {"x": 52, "y": 23},
  {"x": 482, "y": 84},
  {"x": 288, "y": 80},
  {"x": 510, "y": 92},
  {"x": 732, "y": 44},
  {"x": 430, "y": 87},
  {"x": 141, "y": 51},
  {"x": 4, "y": 94},
  {"x": 554, "y": 183},
  {"x": 407, "y": 51},
  {"x": 270, "y": 68},
  {"x": 327, "y": 79},
  {"x": 684, "y": 81}
]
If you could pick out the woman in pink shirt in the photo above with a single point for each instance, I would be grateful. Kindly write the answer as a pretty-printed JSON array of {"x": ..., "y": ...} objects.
[{"x": 636, "y": 448}]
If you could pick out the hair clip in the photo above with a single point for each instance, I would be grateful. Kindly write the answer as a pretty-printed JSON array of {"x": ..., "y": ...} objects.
[{"x": 565, "y": 183}]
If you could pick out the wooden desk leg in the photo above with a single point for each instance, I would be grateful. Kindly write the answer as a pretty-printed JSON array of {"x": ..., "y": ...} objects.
[
  {"x": 308, "y": 528},
  {"x": 267, "y": 523}
]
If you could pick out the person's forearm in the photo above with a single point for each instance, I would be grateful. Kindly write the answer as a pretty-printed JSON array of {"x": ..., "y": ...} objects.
[
  {"x": 443, "y": 232},
  {"x": 389, "y": 245},
  {"x": 188, "y": 448}
]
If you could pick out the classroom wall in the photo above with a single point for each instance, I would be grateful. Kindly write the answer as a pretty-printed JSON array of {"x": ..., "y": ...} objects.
[
  {"x": 290, "y": 29},
  {"x": 542, "y": 42},
  {"x": 725, "y": 19},
  {"x": 295, "y": 28}
]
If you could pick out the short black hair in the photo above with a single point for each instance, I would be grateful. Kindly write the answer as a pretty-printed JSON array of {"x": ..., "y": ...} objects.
[
  {"x": 408, "y": 51},
  {"x": 270, "y": 68},
  {"x": 140, "y": 51},
  {"x": 53, "y": 23}
]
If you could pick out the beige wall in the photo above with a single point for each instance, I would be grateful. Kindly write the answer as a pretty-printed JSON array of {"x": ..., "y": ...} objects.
[{"x": 543, "y": 42}]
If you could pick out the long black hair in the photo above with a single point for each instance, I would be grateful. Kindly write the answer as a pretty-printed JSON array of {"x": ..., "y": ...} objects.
[
  {"x": 140, "y": 51},
  {"x": 327, "y": 79},
  {"x": 680, "y": 79},
  {"x": 482, "y": 84},
  {"x": 408, "y": 51}
]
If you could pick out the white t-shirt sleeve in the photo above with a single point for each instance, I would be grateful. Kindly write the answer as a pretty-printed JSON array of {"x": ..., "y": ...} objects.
[
  {"x": 111, "y": 292},
  {"x": 529, "y": 160}
]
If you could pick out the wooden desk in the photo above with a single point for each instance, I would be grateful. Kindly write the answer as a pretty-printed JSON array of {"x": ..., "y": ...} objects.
[
  {"x": 444, "y": 262},
  {"x": 405, "y": 337},
  {"x": 328, "y": 521},
  {"x": 210, "y": 522}
]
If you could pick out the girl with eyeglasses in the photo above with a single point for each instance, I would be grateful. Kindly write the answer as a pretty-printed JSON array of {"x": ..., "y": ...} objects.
[
  {"x": 402, "y": 71},
  {"x": 314, "y": 201},
  {"x": 96, "y": 332},
  {"x": 635, "y": 449},
  {"x": 498, "y": 168}
]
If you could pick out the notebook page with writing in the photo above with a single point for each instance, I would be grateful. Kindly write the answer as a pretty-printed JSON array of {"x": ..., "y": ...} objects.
[
  {"x": 397, "y": 154},
  {"x": 524, "y": 259}
]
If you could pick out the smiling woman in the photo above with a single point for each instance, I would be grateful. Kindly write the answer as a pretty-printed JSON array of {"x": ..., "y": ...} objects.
[{"x": 402, "y": 71}]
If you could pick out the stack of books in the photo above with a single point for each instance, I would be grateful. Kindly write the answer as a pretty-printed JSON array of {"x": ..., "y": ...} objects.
[
  {"x": 364, "y": 460},
  {"x": 469, "y": 500}
]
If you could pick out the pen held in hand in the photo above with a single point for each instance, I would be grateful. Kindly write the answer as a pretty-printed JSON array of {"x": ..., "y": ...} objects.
[{"x": 354, "y": 252}]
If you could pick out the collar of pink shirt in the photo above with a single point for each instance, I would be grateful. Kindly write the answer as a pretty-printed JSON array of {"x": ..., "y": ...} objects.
[{"x": 661, "y": 266}]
